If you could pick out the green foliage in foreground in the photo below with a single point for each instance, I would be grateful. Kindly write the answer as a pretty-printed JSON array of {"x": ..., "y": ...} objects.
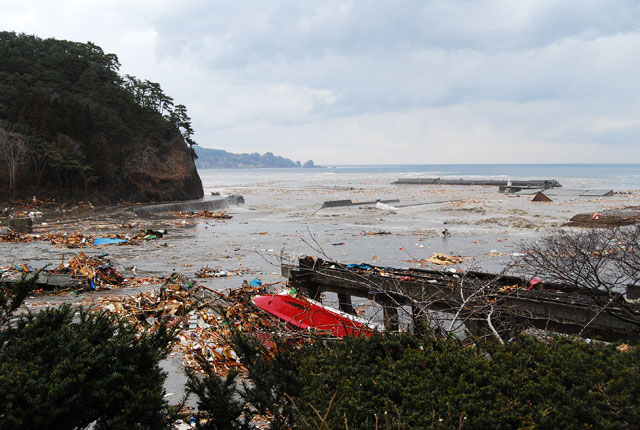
[
  {"x": 12, "y": 297},
  {"x": 218, "y": 399},
  {"x": 68, "y": 367},
  {"x": 405, "y": 382}
]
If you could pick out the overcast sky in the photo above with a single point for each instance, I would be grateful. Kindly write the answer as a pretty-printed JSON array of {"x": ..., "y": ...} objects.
[{"x": 379, "y": 81}]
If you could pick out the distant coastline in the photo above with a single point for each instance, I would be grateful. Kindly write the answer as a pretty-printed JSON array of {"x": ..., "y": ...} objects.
[{"x": 220, "y": 159}]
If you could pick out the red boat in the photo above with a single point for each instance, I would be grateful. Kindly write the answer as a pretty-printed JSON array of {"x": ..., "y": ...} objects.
[{"x": 309, "y": 314}]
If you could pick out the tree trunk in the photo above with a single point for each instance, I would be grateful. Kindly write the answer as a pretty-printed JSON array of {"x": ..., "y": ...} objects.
[
  {"x": 12, "y": 179},
  {"x": 86, "y": 188},
  {"x": 59, "y": 176}
]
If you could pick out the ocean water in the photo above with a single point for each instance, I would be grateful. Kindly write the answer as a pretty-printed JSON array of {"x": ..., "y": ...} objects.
[
  {"x": 615, "y": 176},
  {"x": 502, "y": 170},
  {"x": 284, "y": 204}
]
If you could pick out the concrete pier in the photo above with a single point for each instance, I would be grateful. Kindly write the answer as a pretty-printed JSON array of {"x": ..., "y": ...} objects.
[
  {"x": 553, "y": 307},
  {"x": 534, "y": 183}
]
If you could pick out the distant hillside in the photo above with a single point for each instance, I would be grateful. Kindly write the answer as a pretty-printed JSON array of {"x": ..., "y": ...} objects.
[
  {"x": 71, "y": 128},
  {"x": 220, "y": 159}
]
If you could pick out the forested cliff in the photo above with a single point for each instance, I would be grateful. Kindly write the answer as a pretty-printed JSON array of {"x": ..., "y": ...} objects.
[{"x": 72, "y": 128}]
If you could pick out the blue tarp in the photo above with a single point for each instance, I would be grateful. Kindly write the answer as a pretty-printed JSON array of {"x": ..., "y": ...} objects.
[
  {"x": 359, "y": 266},
  {"x": 107, "y": 241}
]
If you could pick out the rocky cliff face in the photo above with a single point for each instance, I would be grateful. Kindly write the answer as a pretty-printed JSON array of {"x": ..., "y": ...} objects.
[
  {"x": 151, "y": 171},
  {"x": 171, "y": 176}
]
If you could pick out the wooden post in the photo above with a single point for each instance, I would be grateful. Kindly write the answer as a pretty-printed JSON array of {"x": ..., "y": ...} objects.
[{"x": 309, "y": 288}]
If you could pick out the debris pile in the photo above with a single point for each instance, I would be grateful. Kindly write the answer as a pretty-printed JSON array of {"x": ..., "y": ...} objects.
[
  {"x": 81, "y": 273},
  {"x": 78, "y": 239},
  {"x": 440, "y": 260},
  {"x": 99, "y": 272},
  {"x": 210, "y": 272},
  {"x": 170, "y": 303},
  {"x": 205, "y": 214},
  {"x": 606, "y": 219},
  {"x": 59, "y": 239},
  {"x": 150, "y": 234},
  {"x": 204, "y": 317},
  {"x": 375, "y": 233}
]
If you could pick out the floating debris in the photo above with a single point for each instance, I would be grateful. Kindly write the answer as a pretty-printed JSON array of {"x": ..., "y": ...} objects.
[
  {"x": 99, "y": 272},
  {"x": 206, "y": 214},
  {"x": 606, "y": 219},
  {"x": 210, "y": 272},
  {"x": 78, "y": 239},
  {"x": 80, "y": 273},
  {"x": 440, "y": 260}
]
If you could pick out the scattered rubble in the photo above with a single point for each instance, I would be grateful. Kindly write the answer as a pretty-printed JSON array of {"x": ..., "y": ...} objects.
[
  {"x": 210, "y": 272},
  {"x": 375, "y": 233},
  {"x": 205, "y": 318},
  {"x": 78, "y": 239},
  {"x": 98, "y": 272},
  {"x": 80, "y": 273},
  {"x": 205, "y": 214},
  {"x": 439, "y": 260},
  {"x": 606, "y": 219}
]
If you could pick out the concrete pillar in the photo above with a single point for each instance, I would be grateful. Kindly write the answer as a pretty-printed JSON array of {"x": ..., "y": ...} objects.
[
  {"x": 633, "y": 292},
  {"x": 345, "y": 304},
  {"x": 391, "y": 320},
  {"x": 420, "y": 322}
]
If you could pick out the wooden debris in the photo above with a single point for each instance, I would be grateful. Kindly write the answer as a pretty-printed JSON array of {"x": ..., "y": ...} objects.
[
  {"x": 205, "y": 319},
  {"x": 440, "y": 260},
  {"x": 77, "y": 239},
  {"x": 81, "y": 273},
  {"x": 605, "y": 219},
  {"x": 210, "y": 272},
  {"x": 206, "y": 214}
]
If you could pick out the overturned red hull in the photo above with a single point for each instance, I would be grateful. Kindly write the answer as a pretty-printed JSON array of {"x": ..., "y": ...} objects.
[{"x": 307, "y": 314}]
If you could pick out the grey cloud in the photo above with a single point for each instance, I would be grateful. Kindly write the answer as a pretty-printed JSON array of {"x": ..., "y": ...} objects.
[
  {"x": 270, "y": 74},
  {"x": 379, "y": 56},
  {"x": 252, "y": 32}
]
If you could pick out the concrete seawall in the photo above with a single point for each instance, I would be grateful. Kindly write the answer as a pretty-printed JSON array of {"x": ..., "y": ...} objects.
[{"x": 191, "y": 205}]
